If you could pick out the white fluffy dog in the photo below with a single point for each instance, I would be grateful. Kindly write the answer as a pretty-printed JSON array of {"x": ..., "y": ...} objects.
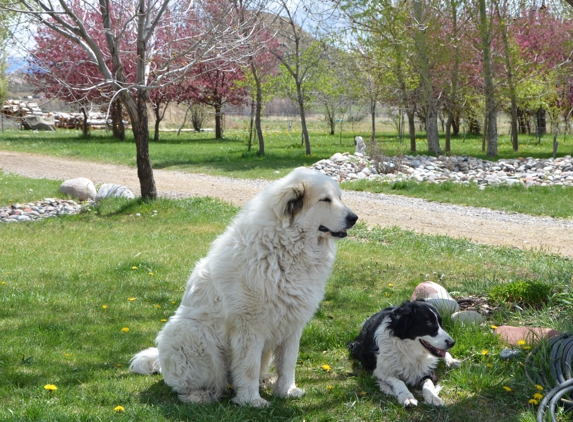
[{"x": 249, "y": 299}]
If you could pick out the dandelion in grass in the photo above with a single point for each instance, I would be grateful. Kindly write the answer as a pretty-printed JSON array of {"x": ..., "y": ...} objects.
[
  {"x": 119, "y": 365},
  {"x": 134, "y": 268},
  {"x": 506, "y": 388},
  {"x": 533, "y": 401},
  {"x": 104, "y": 306},
  {"x": 526, "y": 347},
  {"x": 330, "y": 387},
  {"x": 484, "y": 352},
  {"x": 325, "y": 367},
  {"x": 521, "y": 342},
  {"x": 538, "y": 396},
  {"x": 387, "y": 294},
  {"x": 493, "y": 327},
  {"x": 363, "y": 393},
  {"x": 124, "y": 330},
  {"x": 158, "y": 306},
  {"x": 164, "y": 320},
  {"x": 3, "y": 283},
  {"x": 390, "y": 285},
  {"x": 150, "y": 273},
  {"x": 131, "y": 299},
  {"x": 539, "y": 387},
  {"x": 118, "y": 409},
  {"x": 50, "y": 387}
]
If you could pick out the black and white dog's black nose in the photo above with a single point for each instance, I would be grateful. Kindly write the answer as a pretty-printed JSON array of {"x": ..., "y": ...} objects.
[
  {"x": 351, "y": 219},
  {"x": 450, "y": 343}
]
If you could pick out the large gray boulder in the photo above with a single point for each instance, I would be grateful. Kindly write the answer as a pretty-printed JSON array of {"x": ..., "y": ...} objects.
[
  {"x": 80, "y": 188},
  {"x": 111, "y": 190}
]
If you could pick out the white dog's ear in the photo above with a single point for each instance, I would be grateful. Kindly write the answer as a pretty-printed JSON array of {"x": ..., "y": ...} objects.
[{"x": 288, "y": 202}]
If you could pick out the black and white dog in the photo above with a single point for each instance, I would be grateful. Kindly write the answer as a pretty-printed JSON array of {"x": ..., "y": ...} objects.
[{"x": 401, "y": 345}]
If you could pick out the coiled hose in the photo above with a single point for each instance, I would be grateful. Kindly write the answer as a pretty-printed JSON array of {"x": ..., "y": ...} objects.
[{"x": 549, "y": 365}]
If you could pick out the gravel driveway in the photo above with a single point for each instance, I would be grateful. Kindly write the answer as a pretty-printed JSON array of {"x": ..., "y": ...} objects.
[{"x": 480, "y": 225}]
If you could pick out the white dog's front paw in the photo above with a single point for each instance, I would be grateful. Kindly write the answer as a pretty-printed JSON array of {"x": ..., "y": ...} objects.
[
  {"x": 434, "y": 400},
  {"x": 410, "y": 401},
  {"x": 257, "y": 402}
]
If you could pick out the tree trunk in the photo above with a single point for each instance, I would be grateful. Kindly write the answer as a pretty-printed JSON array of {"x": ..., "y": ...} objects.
[
  {"x": 158, "y": 119},
  {"x": 117, "y": 126},
  {"x": 218, "y": 126},
  {"x": 305, "y": 137},
  {"x": 432, "y": 132},
  {"x": 411, "y": 129},
  {"x": 137, "y": 110},
  {"x": 258, "y": 112},
  {"x": 85, "y": 127},
  {"x": 373, "y": 117},
  {"x": 489, "y": 88}
]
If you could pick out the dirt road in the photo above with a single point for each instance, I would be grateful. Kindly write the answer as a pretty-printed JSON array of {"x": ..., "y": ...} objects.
[{"x": 477, "y": 224}]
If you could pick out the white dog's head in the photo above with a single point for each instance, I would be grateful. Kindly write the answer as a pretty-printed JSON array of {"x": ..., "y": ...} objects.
[{"x": 311, "y": 201}]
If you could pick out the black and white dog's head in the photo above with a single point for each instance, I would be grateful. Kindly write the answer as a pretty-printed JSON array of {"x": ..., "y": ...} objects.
[{"x": 420, "y": 321}]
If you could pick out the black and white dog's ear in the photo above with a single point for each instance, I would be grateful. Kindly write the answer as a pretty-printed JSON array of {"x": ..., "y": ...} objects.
[
  {"x": 288, "y": 202},
  {"x": 402, "y": 319}
]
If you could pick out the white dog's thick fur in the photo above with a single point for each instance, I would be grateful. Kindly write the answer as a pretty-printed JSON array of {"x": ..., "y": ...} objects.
[{"x": 249, "y": 299}]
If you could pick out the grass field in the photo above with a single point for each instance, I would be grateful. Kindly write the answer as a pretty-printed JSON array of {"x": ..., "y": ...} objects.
[{"x": 80, "y": 295}]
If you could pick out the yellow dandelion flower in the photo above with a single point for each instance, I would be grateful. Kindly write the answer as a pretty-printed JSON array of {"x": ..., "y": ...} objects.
[
  {"x": 118, "y": 409},
  {"x": 134, "y": 268},
  {"x": 539, "y": 387},
  {"x": 104, "y": 306},
  {"x": 484, "y": 352},
  {"x": 119, "y": 365},
  {"x": 330, "y": 387},
  {"x": 164, "y": 320},
  {"x": 387, "y": 294},
  {"x": 538, "y": 396},
  {"x": 150, "y": 273},
  {"x": 526, "y": 347},
  {"x": 390, "y": 285},
  {"x": 3, "y": 282},
  {"x": 521, "y": 342},
  {"x": 173, "y": 303},
  {"x": 533, "y": 401},
  {"x": 131, "y": 299},
  {"x": 124, "y": 330},
  {"x": 489, "y": 365},
  {"x": 50, "y": 387},
  {"x": 325, "y": 367},
  {"x": 157, "y": 306},
  {"x": 493, "y": 327},
  {"x": 506, "y": 388},
  {"x": 363, "y": 393}
]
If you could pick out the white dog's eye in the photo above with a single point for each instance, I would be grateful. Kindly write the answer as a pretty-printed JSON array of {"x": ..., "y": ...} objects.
[{"x": 327, "y": 199}]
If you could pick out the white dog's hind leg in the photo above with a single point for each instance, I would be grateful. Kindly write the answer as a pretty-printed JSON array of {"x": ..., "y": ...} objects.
[
  {"x": 397, "y": 388},
  {"x": 430, "y": 393},
  {"x": 245, "y": 368},
  {"x": 285, "y": 361}
]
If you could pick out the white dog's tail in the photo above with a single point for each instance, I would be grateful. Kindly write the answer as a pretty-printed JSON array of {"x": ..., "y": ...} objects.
[{"x": 146, "y": 362}]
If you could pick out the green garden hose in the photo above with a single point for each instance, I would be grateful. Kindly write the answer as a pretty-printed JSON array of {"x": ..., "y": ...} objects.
[{"x": 549, "y": 365}]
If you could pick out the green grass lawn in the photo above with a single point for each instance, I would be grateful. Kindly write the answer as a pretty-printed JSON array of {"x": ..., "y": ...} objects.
[
  {"x": 199, "y": 152},
  {"x": 79, "y": 295}
]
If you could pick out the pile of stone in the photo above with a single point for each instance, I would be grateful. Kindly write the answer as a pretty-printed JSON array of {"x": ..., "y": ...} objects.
[
  {"x": 80, "y": 188},
  {"x": 48, "y": 207},
  {"x": 457, "y": 169}
]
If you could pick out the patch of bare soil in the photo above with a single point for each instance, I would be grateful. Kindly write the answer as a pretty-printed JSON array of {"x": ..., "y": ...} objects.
[{"x": 477, "y": 224}]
